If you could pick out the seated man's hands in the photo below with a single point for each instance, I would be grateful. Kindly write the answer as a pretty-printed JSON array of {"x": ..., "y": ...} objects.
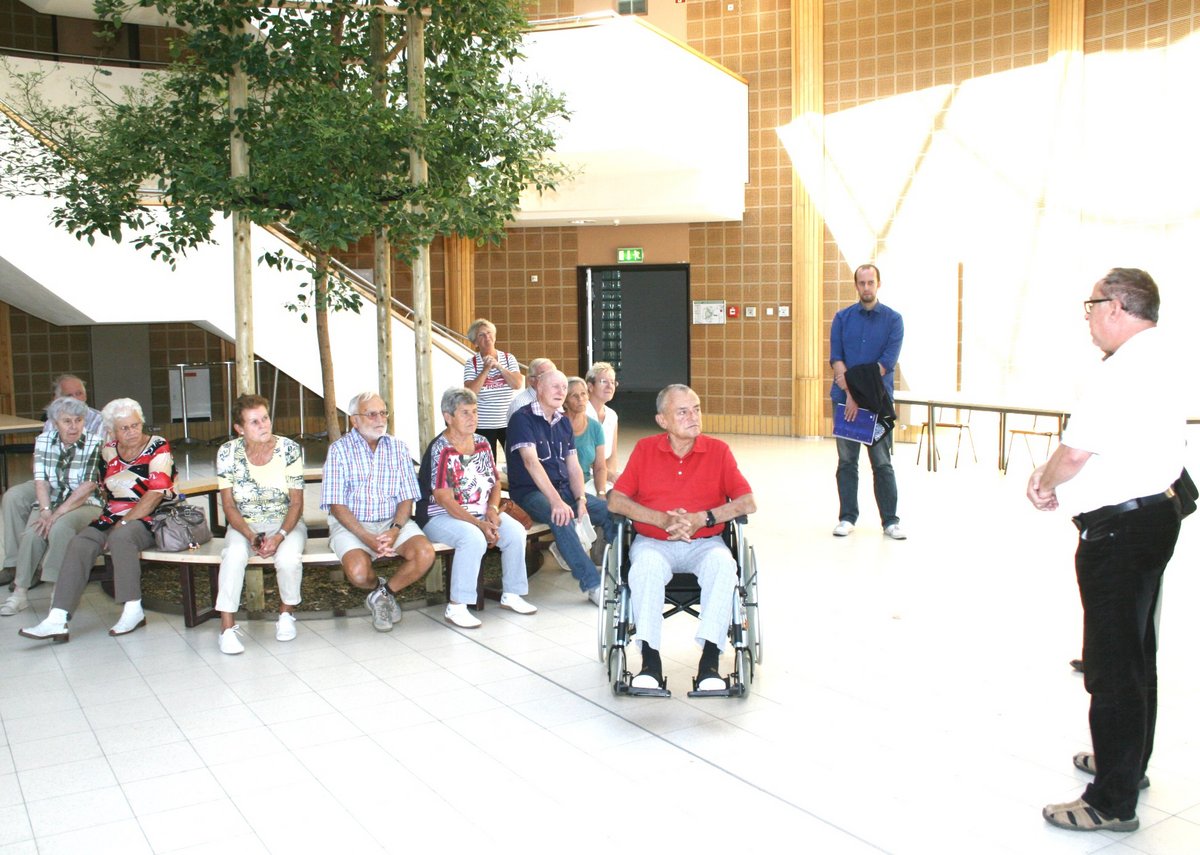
[
  {"x": 385, "y": 543},
  {"x": 681, "y": 525},
  {"x": 560, "y": 511}
]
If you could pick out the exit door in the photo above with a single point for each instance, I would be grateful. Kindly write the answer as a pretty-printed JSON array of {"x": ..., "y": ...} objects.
[{"x": 637, "y": 319}]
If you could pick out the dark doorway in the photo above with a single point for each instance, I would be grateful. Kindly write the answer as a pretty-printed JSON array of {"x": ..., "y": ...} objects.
[{"x": 637, "y": 319}]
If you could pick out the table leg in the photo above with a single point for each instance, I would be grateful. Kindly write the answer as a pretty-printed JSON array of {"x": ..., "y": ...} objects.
[
  {"x": 1003, "y": 426},
  {"x": 931, "y": 455}
]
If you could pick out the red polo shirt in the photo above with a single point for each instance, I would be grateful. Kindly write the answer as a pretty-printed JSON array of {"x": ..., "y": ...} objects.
[{"x": 706, "y": 478}]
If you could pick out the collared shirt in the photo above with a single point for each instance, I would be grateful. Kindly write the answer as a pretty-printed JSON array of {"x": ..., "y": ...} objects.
[
  {"x": 1133, "y": 420},
  {"x": 371, "y": 484},
  {"x": 554, "y": 441},
  {"x": 84, "y": 466},
  {"x": 860, "y": 336},
  {"x": 522, "y": 399},
  {"x": 93, "y": 423},
  {"x": 705, "y": 478}
]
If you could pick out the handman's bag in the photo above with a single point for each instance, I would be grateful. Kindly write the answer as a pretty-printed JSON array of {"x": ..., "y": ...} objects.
[{"x": 178, "y": 526}]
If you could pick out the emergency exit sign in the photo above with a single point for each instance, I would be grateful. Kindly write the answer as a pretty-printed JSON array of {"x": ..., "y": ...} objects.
[{"x": 629, "y": 255}]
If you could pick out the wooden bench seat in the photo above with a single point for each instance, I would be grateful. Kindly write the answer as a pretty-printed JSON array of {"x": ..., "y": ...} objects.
[{"x": 207, "y": 558}]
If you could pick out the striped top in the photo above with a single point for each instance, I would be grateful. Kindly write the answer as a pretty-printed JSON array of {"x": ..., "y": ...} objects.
[{"x": 495, "y": 393}]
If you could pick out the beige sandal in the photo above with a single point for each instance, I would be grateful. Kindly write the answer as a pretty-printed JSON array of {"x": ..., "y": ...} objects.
[
  {"x": 1085, "y": 761},
  {"x": 1080, "y": 816}
]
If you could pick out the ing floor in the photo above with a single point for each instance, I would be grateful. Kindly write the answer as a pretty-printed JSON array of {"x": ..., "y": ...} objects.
[{"x": 914, "y": 698}]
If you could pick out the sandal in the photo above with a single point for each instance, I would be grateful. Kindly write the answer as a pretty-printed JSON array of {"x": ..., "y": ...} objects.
[
  {"x": 1080, "y": 816},
  {"x": 1085, "y": 761}
]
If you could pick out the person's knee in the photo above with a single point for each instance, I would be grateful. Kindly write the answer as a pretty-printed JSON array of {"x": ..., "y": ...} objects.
[
  {"x": 420, "y": 551},
  {"x": 359, "y": 569},
  {"x": 467, "y": 541},
  {"x": 123, "y": 537}
]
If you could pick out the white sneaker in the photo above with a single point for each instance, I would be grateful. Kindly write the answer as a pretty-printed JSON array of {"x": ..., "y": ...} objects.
[
  {"x": 517, "y": 603},
  {"x": 132, "y": 618},
  {"x": 457, "y": 614},
  {"x": 895, "y": 532},
  {"x": 228, "y": 641},
  {"x": 54, "y": 627},
  {"x": 285, "y": 627},
  {"x": 596, "y": 595},
  {"x": 562, "y": 562},
  {"x": 843, "y": 528},
  {"x": 15, "y": 603}
]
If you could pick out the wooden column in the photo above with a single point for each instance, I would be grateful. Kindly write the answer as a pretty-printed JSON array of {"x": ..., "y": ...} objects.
[
  {"x": 460, "y": 282},
  {"x": 809, "y": 347},
  {"x": 1064, "y": 175},
  {"x": 1066, "y": 26},
  {"x": 8, "y": 397}
]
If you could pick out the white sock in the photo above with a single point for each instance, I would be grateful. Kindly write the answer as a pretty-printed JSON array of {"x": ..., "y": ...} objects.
[
  {"x": 57, "y": 616},
  {"x": 132, "y": 607}
]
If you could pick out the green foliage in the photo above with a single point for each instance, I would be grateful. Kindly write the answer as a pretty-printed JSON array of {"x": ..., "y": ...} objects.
[{"x": 327, "y": 159}]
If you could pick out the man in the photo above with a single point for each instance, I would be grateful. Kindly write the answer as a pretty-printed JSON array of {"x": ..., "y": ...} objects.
[
  {"x": 538, "y": 368},
  {"x": 70, "y": 386},
  {"x": 680, "y": 488},
  {"x": 1114, "y": 470},
  {"x": 864, "y": 334},
  {"x": 66, "y": 469},
  {"x": 20, "y": 500},
  {"x": 369, "y": 489},
  {"x": 545, "y": 478}
]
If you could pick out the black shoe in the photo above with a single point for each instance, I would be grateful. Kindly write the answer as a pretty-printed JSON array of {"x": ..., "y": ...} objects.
[
  {"x": 1077, "y": 664},
  {"x": 650, "y": 677}
]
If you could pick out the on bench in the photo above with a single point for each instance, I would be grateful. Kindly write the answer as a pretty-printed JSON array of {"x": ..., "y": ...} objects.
[{"x": 207, "y": 557}]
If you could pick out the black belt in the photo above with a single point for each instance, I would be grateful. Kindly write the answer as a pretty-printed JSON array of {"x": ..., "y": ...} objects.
[{"x": 1091, "y": 518}]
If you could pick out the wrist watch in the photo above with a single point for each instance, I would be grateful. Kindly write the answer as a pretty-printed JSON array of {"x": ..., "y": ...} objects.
[{"x": 709, "y": 519}]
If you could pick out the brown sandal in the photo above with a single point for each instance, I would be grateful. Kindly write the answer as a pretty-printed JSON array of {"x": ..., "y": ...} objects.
[
  {"x": 1080, "y": 816},
  {"x": 1085, "y": 761}
]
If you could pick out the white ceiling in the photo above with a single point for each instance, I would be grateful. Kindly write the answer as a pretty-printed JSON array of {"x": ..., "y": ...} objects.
[{"x": 657, "y": 133}]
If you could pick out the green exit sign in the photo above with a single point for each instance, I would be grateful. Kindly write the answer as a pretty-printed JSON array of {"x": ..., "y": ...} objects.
[{"x": 629, "y": 255}]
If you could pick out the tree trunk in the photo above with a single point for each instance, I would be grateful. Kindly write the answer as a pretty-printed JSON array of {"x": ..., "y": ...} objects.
[
  {"x": 243, "y": 286},
  {"x": 332, "y": 420},
  {"x": 383, "y": 246},
  {"x": 422, "y": 300}
]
